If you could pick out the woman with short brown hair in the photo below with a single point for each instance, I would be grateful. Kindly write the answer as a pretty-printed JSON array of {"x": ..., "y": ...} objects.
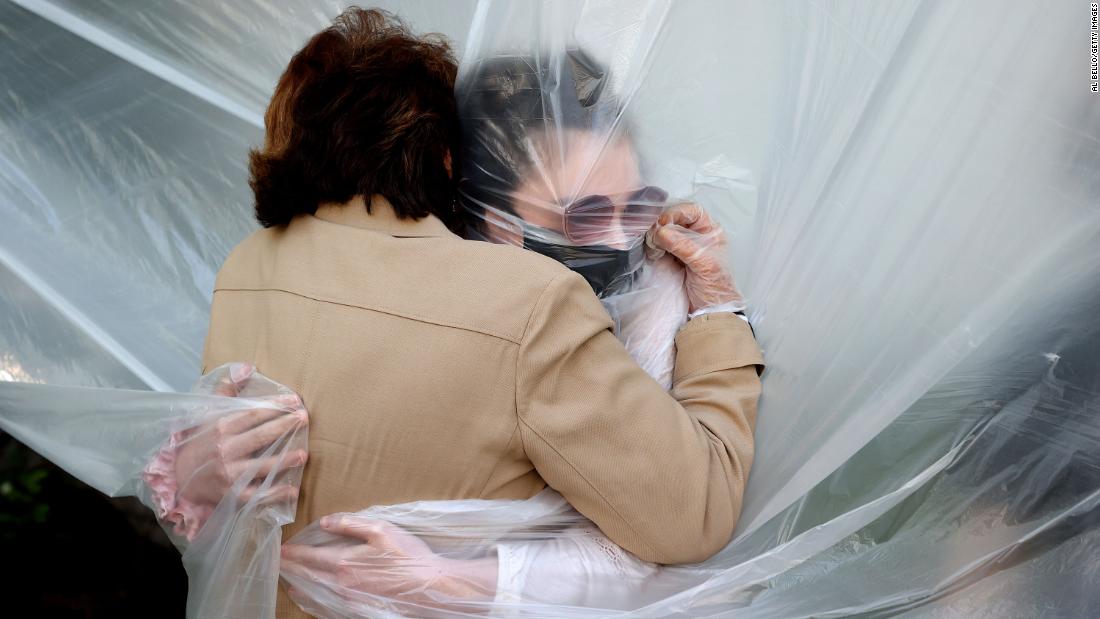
[{"x": 364, "y": 108}]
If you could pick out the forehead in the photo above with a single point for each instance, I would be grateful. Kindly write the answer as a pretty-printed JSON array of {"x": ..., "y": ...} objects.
[{"x": 570, "y": 164}]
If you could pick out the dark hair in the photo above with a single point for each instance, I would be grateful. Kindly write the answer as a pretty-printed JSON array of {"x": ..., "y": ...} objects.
[
  {"x": 504, "y": 98},
  {"x": 364, "y": 108}
]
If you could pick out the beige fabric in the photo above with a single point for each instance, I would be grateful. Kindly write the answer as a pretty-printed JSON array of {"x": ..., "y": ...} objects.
[{"x": 439, "y": 368}]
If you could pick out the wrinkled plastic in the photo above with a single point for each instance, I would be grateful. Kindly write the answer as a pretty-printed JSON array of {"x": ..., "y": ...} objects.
[
  {"x": 919, "y": 259},
  {"x": 956, "y": 500},
  {"x": 983, "y": 530},
  {"x": 648, "y": 316},
  {"x": 548, "y": 160},
  {"x": 123, "y": 443}
]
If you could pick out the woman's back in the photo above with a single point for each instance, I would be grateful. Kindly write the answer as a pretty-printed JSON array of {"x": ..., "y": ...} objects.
[
  {"x": 407, "y": 366},
  {"x": 376, "y": 322}
]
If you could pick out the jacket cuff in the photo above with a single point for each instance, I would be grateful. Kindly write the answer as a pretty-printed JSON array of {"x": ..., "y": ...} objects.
[{"x": 714, "y": 342}]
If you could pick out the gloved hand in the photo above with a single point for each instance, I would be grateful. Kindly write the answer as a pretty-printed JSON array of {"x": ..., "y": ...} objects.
[
  {"x": 199, "y": 466},
  {"x": 689, "y": 233},
  {"x": 213, "y": 457},
  {"x": 364, "y": 562}
]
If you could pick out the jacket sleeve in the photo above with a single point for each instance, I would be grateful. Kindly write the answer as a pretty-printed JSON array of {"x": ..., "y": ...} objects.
[{"x": 661, "y": 473}]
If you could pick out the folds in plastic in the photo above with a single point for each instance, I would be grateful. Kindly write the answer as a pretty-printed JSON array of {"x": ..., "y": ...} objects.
[
  {"x": 124, "y": 443},
  {"x": 911, "y": 195}
]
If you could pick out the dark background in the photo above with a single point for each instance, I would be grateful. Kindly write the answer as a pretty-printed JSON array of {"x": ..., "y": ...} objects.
[{"x": 69, "y": 551}]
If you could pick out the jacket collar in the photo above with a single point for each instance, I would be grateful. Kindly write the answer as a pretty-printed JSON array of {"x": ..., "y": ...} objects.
[{"x": 381, "y": 218}]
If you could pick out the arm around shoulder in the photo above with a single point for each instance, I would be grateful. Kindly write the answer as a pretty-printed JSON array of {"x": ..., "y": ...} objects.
[{"x": 662, "y": 474}]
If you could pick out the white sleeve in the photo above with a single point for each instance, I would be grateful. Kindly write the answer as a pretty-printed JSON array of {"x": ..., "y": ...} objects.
[
  {"x": 511, "y": 574},
  {"x": 648, "y": 317},
  {"x": 579, "y": 567}
]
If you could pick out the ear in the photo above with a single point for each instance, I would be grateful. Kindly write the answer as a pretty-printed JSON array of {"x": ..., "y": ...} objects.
[{"x": 447, "y": 163}]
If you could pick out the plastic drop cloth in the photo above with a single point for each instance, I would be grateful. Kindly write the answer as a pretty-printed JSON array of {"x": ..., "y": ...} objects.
[
  {"x": 125, "y": 443},
  {"x": 911, "y": 199}
]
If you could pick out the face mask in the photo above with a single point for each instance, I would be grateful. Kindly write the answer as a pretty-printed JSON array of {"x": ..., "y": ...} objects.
[{"x": 607, "y": 269}]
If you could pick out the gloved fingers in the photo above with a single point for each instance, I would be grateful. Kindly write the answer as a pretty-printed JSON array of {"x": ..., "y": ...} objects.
[
  {"x": 260, "y": 468},
  {"x": 708, "y": 281},
  {"x": 243, "y": 421},
  {"x": 283, "y": 401},
  {"x": 683, "y": 214},
  {"x": 293, "y": 567},
  {"x": 677, "y": 241},
  {"x": 322, "y": 558},
  {"x": 263, "y": 435},
  {"x": 688, "y": 215},
  {"x": 274, "y": 495},
  {"x": 368, "y": 530},
  {"x": 271, "y": 496},
  {"x": 231, "y": 381}
]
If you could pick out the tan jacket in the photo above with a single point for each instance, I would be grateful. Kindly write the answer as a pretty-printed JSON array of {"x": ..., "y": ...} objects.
[{"x": 439, "y": 368}]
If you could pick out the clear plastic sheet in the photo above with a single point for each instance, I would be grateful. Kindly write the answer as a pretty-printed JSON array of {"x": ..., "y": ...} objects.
[
  {"x": 124, "y": 443},
  {"x": 919, "y": 263},
  {"x": 648, "y": 316}
]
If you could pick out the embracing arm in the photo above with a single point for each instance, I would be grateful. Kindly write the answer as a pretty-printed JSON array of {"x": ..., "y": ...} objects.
[{"x": 662, "y": 474}]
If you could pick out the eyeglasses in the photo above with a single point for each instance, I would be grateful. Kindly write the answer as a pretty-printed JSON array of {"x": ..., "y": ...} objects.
[{"x": 587, "y": 220}]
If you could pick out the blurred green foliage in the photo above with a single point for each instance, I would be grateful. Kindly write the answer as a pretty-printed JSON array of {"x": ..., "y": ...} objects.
[
  {"x": 23, "y": 478},
  {"x": 71, "y": 552}
]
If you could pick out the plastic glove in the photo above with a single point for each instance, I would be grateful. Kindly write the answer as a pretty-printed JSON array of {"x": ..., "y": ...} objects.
[
  {"x": 689, "y": 233},
  {"x": 372, "y": 563},
  {"x": 195, "y": 470}
]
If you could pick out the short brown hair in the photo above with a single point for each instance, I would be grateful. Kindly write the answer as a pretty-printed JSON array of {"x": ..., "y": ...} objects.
[{"x": 364, "y": 108}]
